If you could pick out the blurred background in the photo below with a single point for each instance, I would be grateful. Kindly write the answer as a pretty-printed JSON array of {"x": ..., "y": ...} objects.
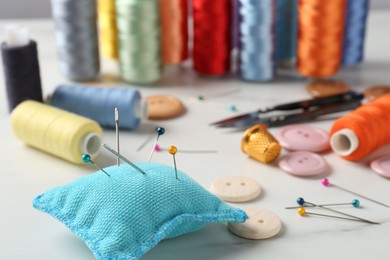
[{"x": 41, "y": 8}]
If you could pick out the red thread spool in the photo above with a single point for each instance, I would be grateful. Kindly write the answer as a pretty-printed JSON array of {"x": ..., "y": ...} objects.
[
  {"x": 320, "y": 37},
  {"x": 359, "y": 133},
  {"x": 212, "y": 36}
]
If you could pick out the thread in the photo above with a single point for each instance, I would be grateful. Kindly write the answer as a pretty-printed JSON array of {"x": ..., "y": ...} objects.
[
  {"x": 54, "y": 131},
  {"x": 320, "y": 37},
  {"x": 257, "y": 40},
  {"x": 21, "y": 66},
  {"x": 286, "y": 30},
  {"x": 355, "y": 30},
  {"x": 359, "y": 133},
  {"x": 99, "y": 104},
  {"x": 174, "y": 26},
  {"x": 212, "y": 36},
  {"x": 138, "y": 24},
  {"x": 77, "y": 38},
  {"x": 108, "y": 30}
]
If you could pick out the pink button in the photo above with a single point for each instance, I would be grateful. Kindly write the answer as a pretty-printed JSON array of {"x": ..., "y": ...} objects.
[
  {"x": 303, "y": 164},
  {"x": 303, "y": 138},
  {"x": 382, "y": 166}
]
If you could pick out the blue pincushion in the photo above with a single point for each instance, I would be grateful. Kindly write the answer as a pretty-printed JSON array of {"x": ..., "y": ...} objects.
[{"x": 127, "y": 214}]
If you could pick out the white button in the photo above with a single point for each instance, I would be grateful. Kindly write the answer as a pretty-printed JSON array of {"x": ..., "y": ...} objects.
[
  {"x": 235, "y": 188},
  {"x": 261, "y": 224},
  {"x": 303, "y": 164}
]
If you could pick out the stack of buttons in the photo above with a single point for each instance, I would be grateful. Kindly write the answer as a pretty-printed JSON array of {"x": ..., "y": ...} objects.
[
  {"x": 77, "y": 38},
  {"x": 139, "y": 40}
]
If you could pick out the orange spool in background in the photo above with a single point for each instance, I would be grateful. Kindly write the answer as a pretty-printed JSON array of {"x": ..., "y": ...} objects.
[
  {"x": 174, "y": 26},
  {"x": 320, "y": 37},
  {"x": 359, "y": 133}
]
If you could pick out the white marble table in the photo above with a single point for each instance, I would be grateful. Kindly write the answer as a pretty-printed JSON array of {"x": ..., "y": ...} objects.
[{"x": 26, "y": 233}]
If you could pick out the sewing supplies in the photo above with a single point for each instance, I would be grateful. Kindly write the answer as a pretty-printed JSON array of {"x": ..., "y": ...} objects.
[
  {"x": 310, "y": 109},
  {"x": 304, "y": 164},
  {"x": 123, "y": 158},
  {"x": 98, "y": 104},
  {"x": 160, "y": 131},
  {"x": 355, "y": 30},
  {"x": 173, "y": 150},
  {"x": 257, "y": 41},
  {"x": 164, "y": 107},
  {"x": 302, "y": 202},
  {"x": 174, "y": 31},
  {"x": 320, "y": 37},
  {"x": 108, "y": 30},
  {"x": 139, "y": 40},
  {"x": 323, "y": 88},
  {"x": 286, "y": 30},
  {"x": 303, "y": 138},
  {"x": 218, "y": 94},
  {"x": 117, "y": 134},
  {"x": 259, "y": 144},
  {"x": 212, "y": 36},
  {"x": 359, "y": 133},
  {"x": 355, "y": 203},
  {"x": 302, "y": 212},
  {"x": 21, "y": 66},
  {"x": 261, "y": 224},
  {"x": 325, "y": 182},
  {"x": 381, "y": 166},
  {"x": 374, "y": 92},
  {"x": 57, "y": 132},
  {"x": 157, "y": 148},
  {"x": 76, "y": 38},
  {"x": 86, "y": 158},
  {"x": 236, "y": 188}
]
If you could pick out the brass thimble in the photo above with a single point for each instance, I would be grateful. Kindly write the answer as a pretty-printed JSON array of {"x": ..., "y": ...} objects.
[{"x": 259, "y": 144}]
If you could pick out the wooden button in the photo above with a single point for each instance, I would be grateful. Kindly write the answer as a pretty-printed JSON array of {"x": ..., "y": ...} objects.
[
  {"x": 164, "y": 107},
  {"x": 261, "y": 224},
  {"x": 376, "y": 91},
  {"x": 323, "y": 88},
  {"x": 236, "y": 188}
]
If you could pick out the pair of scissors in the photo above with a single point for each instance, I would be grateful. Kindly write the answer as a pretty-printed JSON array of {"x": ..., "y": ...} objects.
[{"x": 306, "y": 110}]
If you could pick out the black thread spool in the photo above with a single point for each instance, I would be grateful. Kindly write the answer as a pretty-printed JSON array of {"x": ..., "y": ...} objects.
[{"x": 21, "y": 68}]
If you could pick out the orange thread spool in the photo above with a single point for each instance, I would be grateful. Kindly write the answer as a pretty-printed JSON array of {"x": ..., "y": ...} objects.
[
  {"x": 320, "y": 37},
  {"x": 364, "y": 130},
  {"x": 174, "y": 26}
]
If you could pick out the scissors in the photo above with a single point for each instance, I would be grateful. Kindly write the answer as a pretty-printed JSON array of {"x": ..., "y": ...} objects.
[{"x": 306, "y": 110}]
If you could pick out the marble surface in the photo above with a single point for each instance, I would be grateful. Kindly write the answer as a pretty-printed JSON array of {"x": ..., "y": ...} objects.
[{"x": 26, "y": 233}]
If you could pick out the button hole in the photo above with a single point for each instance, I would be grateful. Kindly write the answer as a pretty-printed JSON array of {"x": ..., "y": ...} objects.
[
  {"x": 260, "y": 221},
  {"x": 228, "y": 184},
  {"x": 242, "y": 183}
]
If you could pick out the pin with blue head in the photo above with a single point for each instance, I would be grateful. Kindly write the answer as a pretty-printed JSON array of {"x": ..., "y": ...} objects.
[
  {"x": 300, "y": 201},
  {"x": 160, "y": 131},
  {"x": 86, "y": 158}
]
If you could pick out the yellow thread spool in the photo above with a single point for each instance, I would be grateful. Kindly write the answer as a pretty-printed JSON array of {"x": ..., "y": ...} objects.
[
  {"x": 260, "y": 144},
  {"x": 57, "y": 132},
  {"x": 108, "y": 29}
]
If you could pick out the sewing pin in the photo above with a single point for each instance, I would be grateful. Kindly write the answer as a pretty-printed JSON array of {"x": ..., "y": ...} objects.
[
  {"x": 146, "y": 142},
  {"x": 160, "y": 131},
  {"x": 117, "y": 134},
  {"x": 355, "y": 203},
  {"x": 86, "y": 158},
  {"x": 221, "y": 94},
  {"x": 157, "y": 148},
  {"x": 302, "y": 212},
  {"x": 326, "y": 183},
  {"x": 123, "y": 158},
  {"x": 301, "y": 202},
  {"x": 173, "y": 150}
]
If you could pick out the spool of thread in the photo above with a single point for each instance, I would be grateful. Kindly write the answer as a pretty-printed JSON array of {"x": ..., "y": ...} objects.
[
  {"x": 99, "y": 104},
  {"x": 286, "y": 30},
  {"x": 259, "y": 144},
  {"x": 212, "y": 36},
  {"x": 21, "y": 66},
  {"x": 359, "y": 133},
  {"x": 57, "y": 132},
  {"x": 77, "y": 38},
  {"x": 108, "y": 30},
  {"x": 174, "y": 26},
  {"x": 257, "y": 40},
  {"x": 138, "y": 24},
  {"x": 320, "y": 37},
  {"x": 355, "y": 30}
]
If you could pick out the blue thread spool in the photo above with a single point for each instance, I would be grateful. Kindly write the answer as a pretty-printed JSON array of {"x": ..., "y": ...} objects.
[
  {"x": 286, "y": 30},
  {"x": 257, "y": 39},
  {"x": 355, "y": 29},
  {"x": 99, "y": 104}
]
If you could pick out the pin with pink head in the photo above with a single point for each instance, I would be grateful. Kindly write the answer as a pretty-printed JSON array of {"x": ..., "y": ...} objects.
[
  {"x": 157, "y": 148},
  {"x": 325, "y": 182}
]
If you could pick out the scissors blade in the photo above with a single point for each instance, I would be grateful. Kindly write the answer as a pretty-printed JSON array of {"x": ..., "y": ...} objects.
[
  {"x": 243, "y": 123},
  {"x": 243, "y": 117}
]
